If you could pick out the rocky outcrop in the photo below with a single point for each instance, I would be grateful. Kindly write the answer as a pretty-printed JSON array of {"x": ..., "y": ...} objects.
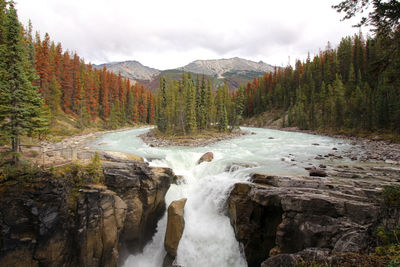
[
  {"x": 207, "y": 157},
  {"x": 46, "y": 223},
  {"x": 276, "y": 215},
  {"x": 52, "y": 221},
  {"x": 323, "y": 257},
  {"x": 143, "y": 190},
  {"x": 100, "y": 218},
  {"x": 175, "y": 225}
]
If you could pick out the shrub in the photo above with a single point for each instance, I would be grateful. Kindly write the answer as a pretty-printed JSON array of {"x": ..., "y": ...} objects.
[
  {"x": 391, "y": 195},
  {"x": 95, "y": 170},
  {"x": 83, "y": 174},
  {"x": 389, "y": 245}
]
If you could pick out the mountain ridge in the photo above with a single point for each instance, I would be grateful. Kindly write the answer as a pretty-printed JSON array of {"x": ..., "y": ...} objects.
[
  {"x": 131, "y": 69},
  {"x": 137, "y": 71},
  {"x": 220, "y": 66},
  {"x": 235, "y": 71}
]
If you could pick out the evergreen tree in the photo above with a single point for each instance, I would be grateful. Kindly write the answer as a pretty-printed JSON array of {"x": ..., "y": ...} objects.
[
  {"x": 162, "y": 119},
  {"x": 20, "y": 102},
  {"x": 54, "y": 98},
  {"x": 239, "y": 104},
  {"x": 190, "y": 110},
  {"x": 222, "y": 116}
]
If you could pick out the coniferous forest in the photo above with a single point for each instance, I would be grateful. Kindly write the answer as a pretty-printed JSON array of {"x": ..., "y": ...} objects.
[
  {"x": 352, "y": 88},
  {"x": 190, "y": 104},
  {"x": 39, "y": 81},
  {"x": 69, "y": 85}
]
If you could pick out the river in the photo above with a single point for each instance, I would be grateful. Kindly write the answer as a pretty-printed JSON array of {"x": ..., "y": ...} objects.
[{"x": 208, "y": 238}]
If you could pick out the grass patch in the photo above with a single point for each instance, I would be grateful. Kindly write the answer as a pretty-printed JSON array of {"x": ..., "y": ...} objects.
[{"x": 82, "y": 174}]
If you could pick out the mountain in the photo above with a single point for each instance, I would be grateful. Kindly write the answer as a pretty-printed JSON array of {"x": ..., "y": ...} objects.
[
  {"x": 132, "y": 70},
  {"x": 235, "y": 71},
  {"x": 223, "y": 67}
]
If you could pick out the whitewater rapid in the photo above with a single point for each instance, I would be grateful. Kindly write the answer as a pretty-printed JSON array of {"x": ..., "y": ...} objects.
[{"x": 208, "y": 238}]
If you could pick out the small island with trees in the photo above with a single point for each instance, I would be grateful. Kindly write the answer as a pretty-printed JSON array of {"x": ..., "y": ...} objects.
[{"x": 190, "y": 113}]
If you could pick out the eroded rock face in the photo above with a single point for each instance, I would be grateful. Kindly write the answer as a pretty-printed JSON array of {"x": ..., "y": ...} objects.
[
  {"x": 44, "y": 224},
  {"x": 50, "y": 221},
  {"x": 101, "y": 216},
  {"x": 143, "y": 190},
  {"x": 274, "y": 215},
  {"x": 175, "y": 225},
  {"x": 208, "y": 157}
]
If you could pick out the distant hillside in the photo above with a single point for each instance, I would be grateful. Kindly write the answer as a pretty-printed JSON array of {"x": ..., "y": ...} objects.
[
  {"x": 132, "y": 70},
  {"x": 235, "y": 71},
  {"x": 219, "y": 67}
]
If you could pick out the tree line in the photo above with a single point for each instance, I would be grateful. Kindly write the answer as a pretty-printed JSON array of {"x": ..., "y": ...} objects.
[
  {"x": 69, "y": 85},
  {"x": 190, "y": 105},
  {"x": 353, "y": 87}
]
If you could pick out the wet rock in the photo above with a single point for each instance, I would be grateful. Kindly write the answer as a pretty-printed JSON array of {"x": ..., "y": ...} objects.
[
  {"x": 334, "y": 148},
  {"x": 236, "y": 166},
  {"x": 315, "y": 144},
  {"x": 175, "y": 225},
  {"x": 207, "y": 157},
  {"x": 317, "y": 172}
]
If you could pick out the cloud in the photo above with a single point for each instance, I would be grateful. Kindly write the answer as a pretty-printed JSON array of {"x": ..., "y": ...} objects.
[{"x": 168, "y": 34}]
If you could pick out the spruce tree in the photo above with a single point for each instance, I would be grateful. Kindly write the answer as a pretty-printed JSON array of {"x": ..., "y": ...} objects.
[
  {"x": 162, "y": 120},
  {"x": 20, "y": 101},
  {"x": 190, "y": 109}
]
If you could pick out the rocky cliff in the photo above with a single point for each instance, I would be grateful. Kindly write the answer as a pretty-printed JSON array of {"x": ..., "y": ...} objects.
[
  {"x": 51, "y": 221},
  {"x": 143, "y": 190},
  {"x": 306, "y": 215}
]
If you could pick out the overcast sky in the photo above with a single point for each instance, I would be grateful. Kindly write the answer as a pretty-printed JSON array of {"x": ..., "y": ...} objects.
[{"x": 171, "y": 33}]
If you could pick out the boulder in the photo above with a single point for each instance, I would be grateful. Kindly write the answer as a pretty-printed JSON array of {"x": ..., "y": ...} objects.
[
  {"x": 208, "y": 157},
  {"x": 175, "y": 226},
  {"x": 317, "y": 172}
]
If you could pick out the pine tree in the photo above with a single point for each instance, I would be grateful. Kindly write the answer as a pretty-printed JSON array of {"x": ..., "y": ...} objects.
[
  {"x": 190, "y": 110},
  {"x": 210, "y": 107},
  {"x": 222, "y": 115},
  {"x": 20, "y": 102},
  {"x": 239, "y": 104},
  {"x": 162, "y": 122}
]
